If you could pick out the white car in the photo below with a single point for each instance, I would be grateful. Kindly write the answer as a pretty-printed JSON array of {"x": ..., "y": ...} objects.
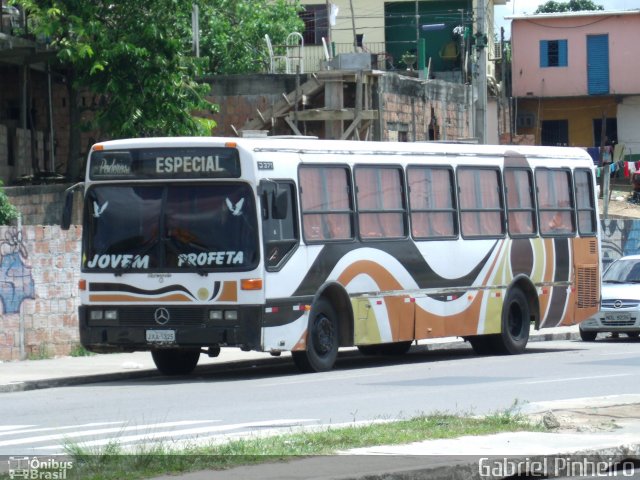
[{"x": 620, "y": 302}]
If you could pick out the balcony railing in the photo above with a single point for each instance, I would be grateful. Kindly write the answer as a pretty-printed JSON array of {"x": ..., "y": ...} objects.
[{"x": 315, "y": 59}]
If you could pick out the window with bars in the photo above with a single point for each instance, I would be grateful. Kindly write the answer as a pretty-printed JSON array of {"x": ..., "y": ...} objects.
[
  {"x": 316, "y": 23},
  {"x": 553, "y": 53}
]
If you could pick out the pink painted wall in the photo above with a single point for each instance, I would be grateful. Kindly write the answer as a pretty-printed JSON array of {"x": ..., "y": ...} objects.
[{"x": 624, "y": 54}]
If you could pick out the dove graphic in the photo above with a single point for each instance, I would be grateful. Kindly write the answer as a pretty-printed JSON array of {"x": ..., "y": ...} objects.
[
  {"x": 237, "y": 209},
  {"x": 97, "y": 209}
]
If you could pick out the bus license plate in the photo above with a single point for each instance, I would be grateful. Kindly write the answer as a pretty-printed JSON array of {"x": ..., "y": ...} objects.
[{"x": 161, "y": 336}]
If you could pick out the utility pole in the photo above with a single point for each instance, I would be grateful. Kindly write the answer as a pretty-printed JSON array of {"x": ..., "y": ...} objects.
[{"x": 481, "y": 73}]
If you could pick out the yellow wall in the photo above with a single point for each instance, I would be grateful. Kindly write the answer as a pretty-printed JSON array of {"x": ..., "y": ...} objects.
[{"x": 580, "y": 112}]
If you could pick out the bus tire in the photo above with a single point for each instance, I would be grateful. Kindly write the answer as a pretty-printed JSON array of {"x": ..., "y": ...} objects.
[
  {"x": 516, "y": 323},
  {"x": 322, "y": 339},
  {"x": 390, "y": 349},
  {"x": 176, "y": 361}
]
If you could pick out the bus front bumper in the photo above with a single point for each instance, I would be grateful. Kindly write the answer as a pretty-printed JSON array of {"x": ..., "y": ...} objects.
[{"x": 107, "y": 328}]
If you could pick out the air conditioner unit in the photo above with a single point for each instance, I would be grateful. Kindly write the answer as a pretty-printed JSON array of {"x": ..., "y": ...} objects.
[{"x": 497, "y": 51}]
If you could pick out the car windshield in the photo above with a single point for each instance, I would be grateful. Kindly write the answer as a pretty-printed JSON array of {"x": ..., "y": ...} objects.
[
  {"x": 170, "y": 227},
  {"x": 623, "y": 271}
]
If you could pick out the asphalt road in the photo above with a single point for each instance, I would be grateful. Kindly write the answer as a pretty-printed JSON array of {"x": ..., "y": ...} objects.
[{"x": 273, "y": 395}]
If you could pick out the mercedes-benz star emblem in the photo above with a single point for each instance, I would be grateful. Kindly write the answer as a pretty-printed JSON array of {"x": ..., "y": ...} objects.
[
  {"x": 617, "y": 304},
  {"x": 161, "y": 316}
]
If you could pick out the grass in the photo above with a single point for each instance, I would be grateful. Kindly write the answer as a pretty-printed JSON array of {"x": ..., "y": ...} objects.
[
  {"x": 79, "y": 351},
  {"x": 115, "y": 461},
  {"x": 41, "y": 352}
]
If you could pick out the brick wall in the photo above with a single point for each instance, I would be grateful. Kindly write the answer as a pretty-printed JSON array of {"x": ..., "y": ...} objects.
[
  {"x": 410, "y": 108},
  {"x": 39, "y": 273}
]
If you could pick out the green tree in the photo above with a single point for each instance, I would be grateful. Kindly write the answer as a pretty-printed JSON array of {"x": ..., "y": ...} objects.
[
  {"x": 135, "y": 58},
  {"x": 8, "y": 212},
  {"x": 232, "y": 32},
  {"x": 571, "y": 6}
]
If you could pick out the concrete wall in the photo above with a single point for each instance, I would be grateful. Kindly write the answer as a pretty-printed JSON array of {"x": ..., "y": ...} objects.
[
  {"x": 239, "y": 96},
  {"x": 629, "y": 125},
  {"x": 39, "y": 273},
  {"x": 42, "y": 204},
  {"x": 528, "y": 76}
]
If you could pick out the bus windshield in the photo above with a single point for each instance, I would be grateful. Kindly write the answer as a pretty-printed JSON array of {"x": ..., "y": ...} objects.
[{"x": 174, "y": 227}]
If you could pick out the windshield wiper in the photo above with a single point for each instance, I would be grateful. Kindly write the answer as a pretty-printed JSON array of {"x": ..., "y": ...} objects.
[{"x": 199, "y": 270}]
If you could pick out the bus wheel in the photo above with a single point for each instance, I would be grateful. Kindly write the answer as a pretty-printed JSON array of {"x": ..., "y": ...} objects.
[
  {"x": 176, "y": 361},
  {"x": 322, "y": 340},
  {"x": 397, "y": 348},
  {"x": 516, "y": 323}
]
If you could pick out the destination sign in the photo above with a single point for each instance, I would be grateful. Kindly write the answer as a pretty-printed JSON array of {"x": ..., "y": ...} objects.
[{"x": 149, "y": 163}]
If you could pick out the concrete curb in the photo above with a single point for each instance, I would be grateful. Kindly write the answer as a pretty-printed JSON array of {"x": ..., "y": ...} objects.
[{"x": 224, "y": 366}]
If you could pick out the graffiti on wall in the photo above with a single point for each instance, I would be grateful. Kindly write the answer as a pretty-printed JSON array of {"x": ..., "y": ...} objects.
[
  {"x": 16, "y": 282},
  {"x": 619, "y": 238}
]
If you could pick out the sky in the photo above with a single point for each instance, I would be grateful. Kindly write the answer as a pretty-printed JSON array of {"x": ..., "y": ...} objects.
[{"x": 519, "y": 7}]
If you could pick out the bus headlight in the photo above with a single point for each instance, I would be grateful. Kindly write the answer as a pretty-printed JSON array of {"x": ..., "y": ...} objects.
[
  {"x": 103, "y": 317},
  {"x": 231, "y": 315},
  {"x": 215, "y": 314}
]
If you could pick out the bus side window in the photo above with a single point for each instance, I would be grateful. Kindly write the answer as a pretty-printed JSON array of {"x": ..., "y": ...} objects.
[
  {"x": 432, "y": 202},
  {"x": 327, "y": 212},
  {"x": 555, "y": 202},
  {"x": 279, "y": 227},
  {"x": 481, "y": 212},
  {"x": 585, "y": 202},
  {"x": 521, "y": 212}
]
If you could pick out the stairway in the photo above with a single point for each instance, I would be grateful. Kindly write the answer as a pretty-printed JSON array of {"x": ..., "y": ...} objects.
[{"x": 288, "y": 102}]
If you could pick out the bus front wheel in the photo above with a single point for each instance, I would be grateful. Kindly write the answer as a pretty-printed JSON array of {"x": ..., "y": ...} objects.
[
  {"x": 176, "y": 361},
  {"x": 322, "y": 339},
  {"x": 516, "y": 323}
]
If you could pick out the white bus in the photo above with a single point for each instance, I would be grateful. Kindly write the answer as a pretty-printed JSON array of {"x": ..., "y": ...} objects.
[{"x": 303, "y": 245}]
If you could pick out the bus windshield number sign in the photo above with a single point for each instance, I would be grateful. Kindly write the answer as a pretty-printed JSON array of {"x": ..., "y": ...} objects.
[{"x": 265, "y": 165}]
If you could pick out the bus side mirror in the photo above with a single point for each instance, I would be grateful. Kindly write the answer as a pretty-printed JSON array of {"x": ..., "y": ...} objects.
[
  {"x": 280, "y": 205},
  {"x": 67, "y": 210}
]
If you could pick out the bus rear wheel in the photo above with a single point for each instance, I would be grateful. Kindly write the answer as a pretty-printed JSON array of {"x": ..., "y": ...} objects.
[
  {"x": 516, "y": 323},
  {"x": 322, "y": 340},
  {"x": 176, "y": 361}
]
